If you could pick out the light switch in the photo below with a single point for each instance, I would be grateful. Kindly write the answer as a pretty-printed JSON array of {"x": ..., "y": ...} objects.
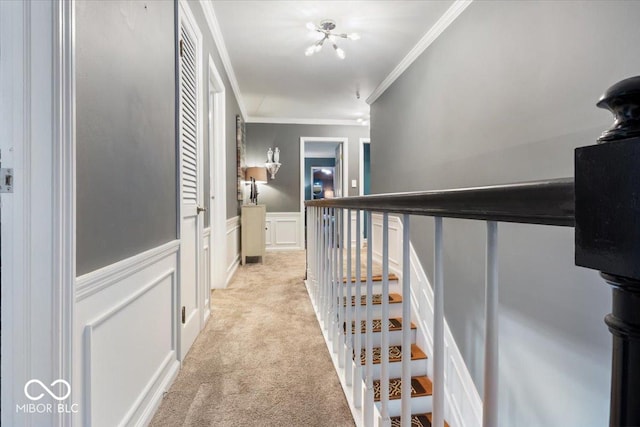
[{"x": 354, "y": 183}]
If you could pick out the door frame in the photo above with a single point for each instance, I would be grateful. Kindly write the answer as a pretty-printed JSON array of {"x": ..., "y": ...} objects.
[
  {"x": 217, "y": 183},
  {"x": 185, "y": 15},
  {"x": 38, "y": 141},
  {"x": 361, "y": 143},
  {"x": 345, "y": 170}
]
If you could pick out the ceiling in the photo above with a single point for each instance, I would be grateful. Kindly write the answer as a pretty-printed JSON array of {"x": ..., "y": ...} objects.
[
  {"x": 266, "y": 40},
  {"x": 320, "y": 149}
]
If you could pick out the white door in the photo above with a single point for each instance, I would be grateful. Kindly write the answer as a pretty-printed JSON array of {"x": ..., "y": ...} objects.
[{"x": 191, "y": 189}]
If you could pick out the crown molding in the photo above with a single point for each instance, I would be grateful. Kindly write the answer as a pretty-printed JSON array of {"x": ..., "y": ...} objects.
[
  {"x": 438, "y": 28},
  {"x": 296, "y": 121},
  {"x": 210, "y": 15}
]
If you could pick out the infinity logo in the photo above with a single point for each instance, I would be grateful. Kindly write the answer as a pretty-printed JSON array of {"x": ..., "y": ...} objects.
[{"x": 47, "y": 389}]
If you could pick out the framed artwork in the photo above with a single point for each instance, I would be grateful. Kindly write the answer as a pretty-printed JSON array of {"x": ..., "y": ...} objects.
[{"x": 241, "y": 144}]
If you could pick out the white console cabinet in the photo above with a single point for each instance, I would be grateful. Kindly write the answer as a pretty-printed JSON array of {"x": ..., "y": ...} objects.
[{"x": 253, "y": 225}]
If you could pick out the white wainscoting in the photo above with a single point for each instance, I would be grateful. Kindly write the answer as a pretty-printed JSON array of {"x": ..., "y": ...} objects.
[
  {"x": 233, "y": 247},
  {"x": 205, "y": 275},
  {"x": 125, "y": 333},
  {"x": 283, "y": 231},
  {"x": 464, "y": 406}
]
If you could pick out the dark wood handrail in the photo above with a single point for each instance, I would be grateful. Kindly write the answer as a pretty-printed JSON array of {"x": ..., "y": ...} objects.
[{"x": 549, "y": 202}]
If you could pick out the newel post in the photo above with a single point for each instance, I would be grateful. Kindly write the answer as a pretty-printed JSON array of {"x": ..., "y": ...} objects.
[{"x": 607, "y": 209}]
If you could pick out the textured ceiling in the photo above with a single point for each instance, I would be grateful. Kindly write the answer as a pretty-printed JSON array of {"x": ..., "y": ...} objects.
[{"x": 266, "y": 41}]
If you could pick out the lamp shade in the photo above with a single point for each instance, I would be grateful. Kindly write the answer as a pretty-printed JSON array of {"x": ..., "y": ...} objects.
[{"x": 257, "y": 173}]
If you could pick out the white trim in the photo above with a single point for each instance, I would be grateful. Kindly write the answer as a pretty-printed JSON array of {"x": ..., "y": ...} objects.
[
  {"x": 91, "y": 283},
  {"x": 361, "y": 143},
  {"x": 217, "y": 160},
  {"x": 302, "y": 121},
  {"x": 345, "y": 170},
  {"x": 37, "y": 139},
  {"x": 438, "y": 28},
  {"x": 214, "y": 27},
  {"x": 277, "y": 221},
  {"x": 233, "y": 232},
  {"x": 206, "y": 281}
]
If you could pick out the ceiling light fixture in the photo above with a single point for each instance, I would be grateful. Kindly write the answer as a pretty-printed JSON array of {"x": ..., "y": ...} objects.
[{"x": 325, "y": 28}]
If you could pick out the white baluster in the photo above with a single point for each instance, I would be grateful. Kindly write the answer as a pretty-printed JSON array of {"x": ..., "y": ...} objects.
[
  {"x": 438, "y": 329},
  {"x": 330, "y": 296},
  {"x": 369, "y": 329},
  {"x": 323, "y": 260},
  {"x": 308, "y": 218},
  {"x": 318, "y": 251},
  {"x": 406, "y": 324},
  {"x": 384, "y": 347},
  {"x": 334, "y": 283},
  {"x": 342, "y": 304},
  {"x": 348, "y": 310},
  {"x": 491, "y": 352},
  {"x": 357, "y": 375}
]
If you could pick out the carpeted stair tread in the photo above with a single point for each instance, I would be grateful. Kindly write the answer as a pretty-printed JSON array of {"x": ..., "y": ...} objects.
[
  {"x": 395, "y": 324},
  {"x": 420, "y": 386},
  {"x": 376, "y": 299},
  {"x": 395, "y": 354},
  {"x": 376, "y": 278},
  {"x": 418, "y": 420}
]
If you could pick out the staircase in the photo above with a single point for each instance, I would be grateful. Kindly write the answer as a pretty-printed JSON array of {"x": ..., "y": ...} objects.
[{"x": 421, "y": 386}]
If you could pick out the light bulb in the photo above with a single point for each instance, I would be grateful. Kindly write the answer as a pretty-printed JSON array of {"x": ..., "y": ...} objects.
[
  {"x": 310, "y": 50},
  {"x": 353, "y": 36},
  {"x": 311, "y": 26},
  {"x": 339, "y": 52},
  {"x": 317, "y": 47}
]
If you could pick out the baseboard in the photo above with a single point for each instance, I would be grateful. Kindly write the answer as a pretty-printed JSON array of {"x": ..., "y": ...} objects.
[
  {"x": 233, "y": 247},
  {"x": 146, "y": 414},
  {"x": 232, "y": 270},
  {"x": 464, "y": 406}
]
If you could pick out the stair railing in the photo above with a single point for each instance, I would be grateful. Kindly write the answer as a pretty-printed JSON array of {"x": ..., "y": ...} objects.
[{"x": 602, "y": 202}]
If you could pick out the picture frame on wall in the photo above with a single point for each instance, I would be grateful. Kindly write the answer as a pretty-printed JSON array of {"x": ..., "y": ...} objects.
[{"x": 241, "y": 145}]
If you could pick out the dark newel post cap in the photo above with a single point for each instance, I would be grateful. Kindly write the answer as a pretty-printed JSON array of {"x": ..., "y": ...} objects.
[
  {"x": 607, "y": 189},
  {"x": 623, "y": 100}
]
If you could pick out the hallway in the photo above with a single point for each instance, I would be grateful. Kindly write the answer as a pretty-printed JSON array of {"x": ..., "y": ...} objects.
[{"x": 261, "y": 359}]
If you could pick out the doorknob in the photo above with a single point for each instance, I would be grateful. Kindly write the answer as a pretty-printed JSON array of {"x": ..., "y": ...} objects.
[{"x": 201, "y": 209}]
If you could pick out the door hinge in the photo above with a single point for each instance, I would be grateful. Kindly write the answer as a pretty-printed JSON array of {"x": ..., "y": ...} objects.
[
  {"x": 6, "y": 180},
  {"x": 184, "y": 314},
  {"x": 181, "y": 48}
]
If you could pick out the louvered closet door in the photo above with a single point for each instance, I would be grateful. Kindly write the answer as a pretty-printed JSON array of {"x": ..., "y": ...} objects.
[{"x": 191, "y": 188}]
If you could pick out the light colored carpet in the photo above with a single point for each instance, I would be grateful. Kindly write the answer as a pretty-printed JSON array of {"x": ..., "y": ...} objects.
[{"x": 261, "y": 360}]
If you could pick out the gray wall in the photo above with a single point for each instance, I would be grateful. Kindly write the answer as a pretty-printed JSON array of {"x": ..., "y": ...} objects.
[
  {"x": 126, "y": 141},
  {"x": 231, "y": 110},
  {"x": 504, "y": 95},
  {"x": 282, "y": 194},
  {"x": 126, "y": 176}
]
